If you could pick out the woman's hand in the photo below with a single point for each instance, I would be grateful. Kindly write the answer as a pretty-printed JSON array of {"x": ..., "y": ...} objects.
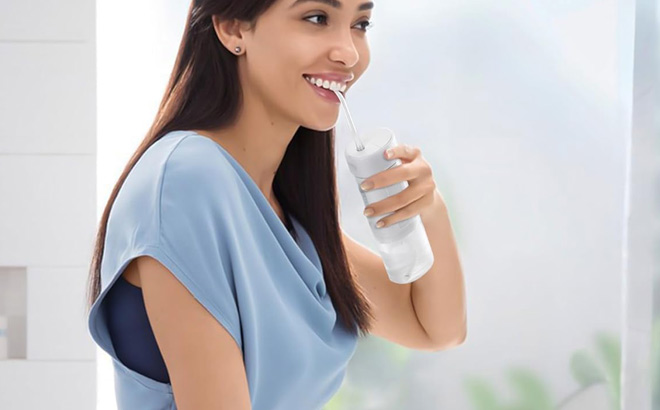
[{"x": 419, "y": 196}]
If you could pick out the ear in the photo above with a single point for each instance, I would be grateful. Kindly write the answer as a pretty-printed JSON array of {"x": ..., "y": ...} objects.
[{"x": 229, "y": 32}]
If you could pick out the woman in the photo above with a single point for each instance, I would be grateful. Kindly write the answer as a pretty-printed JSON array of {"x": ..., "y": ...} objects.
[{"x": 221, "y": 277}]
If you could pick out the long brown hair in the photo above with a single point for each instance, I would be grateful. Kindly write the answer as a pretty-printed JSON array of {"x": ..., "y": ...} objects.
[{"x": 204, "y": 92}]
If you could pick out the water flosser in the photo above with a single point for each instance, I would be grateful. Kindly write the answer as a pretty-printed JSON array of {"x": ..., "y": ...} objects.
[{"x": 404, "y": 246}]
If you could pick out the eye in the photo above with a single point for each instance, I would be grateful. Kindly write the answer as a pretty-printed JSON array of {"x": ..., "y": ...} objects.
[
  {"x": 367, "y": 24},
  {"x": 316, "y": 15}
]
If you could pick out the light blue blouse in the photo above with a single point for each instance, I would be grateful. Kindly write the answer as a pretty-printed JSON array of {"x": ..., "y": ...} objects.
[{"x": 189, "y": 204}]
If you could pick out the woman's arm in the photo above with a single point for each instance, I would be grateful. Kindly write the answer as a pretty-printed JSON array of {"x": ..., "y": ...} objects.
[{"x": 203, "y": 360}]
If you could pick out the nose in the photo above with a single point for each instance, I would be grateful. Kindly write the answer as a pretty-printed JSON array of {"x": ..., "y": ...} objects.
[{"x": 345, "y": 51}]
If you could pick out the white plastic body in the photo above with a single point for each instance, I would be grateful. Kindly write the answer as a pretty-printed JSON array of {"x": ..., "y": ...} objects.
[{"x": 404, "y": 245}]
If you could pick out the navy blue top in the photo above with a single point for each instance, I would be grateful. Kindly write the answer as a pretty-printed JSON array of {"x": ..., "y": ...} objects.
[{"x": 131, "y": 332}]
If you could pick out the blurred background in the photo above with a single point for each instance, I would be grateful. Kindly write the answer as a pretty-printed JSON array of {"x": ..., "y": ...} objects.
[{"x": 540, "y": 120}]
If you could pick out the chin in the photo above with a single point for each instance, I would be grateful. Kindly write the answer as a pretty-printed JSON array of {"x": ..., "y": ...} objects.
[
  {"x": 321, "y": 121},
  {"x": 320, "y": 127}
]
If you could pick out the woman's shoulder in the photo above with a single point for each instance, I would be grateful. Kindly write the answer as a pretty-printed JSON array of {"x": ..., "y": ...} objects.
[
  {"x": 187, "y": 152},
  {"x": 182, "y": 159},
  {"x": 176, "y": 171}
]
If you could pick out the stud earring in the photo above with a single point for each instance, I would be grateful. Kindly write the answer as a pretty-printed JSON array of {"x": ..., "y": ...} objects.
[{"x": 237, "y": 49}]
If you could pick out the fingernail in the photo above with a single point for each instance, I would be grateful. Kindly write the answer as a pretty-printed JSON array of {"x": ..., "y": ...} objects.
[
  {"x": 368, "y": 211},
  {"x": 380, "y": 224},
  {"x": 388, "y": 153},
  {"x": 366, "y": 185}
]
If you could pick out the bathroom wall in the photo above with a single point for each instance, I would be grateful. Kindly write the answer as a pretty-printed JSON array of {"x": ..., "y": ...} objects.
[{"x": 47, "y": 201}]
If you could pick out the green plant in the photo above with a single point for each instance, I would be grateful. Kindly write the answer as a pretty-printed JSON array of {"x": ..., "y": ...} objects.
[
  {"x": 587, "y": 369},
  {"x": 655, "y": 363},
  {"x": 529, "y": 390},
  {"x": 376, "y": 359}
]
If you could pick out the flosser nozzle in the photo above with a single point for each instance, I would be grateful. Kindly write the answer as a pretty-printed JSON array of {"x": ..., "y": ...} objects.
[{"x": 356, "y": 137}]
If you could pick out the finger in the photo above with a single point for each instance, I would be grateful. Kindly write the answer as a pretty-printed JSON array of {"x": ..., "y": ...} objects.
[
  {"x": 408, "y": 211},
  {"x": 405, "y": 152},
  {"x": 395, "y": 202},
  {"x": 404, "y": 172}
]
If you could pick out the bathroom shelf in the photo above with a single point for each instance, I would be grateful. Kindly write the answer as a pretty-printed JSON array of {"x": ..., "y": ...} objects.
[{"x": 13, "y": 308}]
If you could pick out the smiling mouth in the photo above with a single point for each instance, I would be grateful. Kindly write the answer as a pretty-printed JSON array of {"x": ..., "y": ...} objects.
[{"x": 344, "y": 85}]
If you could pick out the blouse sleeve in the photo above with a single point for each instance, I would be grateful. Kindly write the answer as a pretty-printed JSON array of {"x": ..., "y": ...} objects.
[{"x": 192, "y": 232}]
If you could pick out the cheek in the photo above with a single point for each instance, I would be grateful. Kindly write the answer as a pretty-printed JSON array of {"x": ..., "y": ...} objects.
[
  {"x": 365, "y": 57},
  {"x": 286, "y": 59},
  {"x": 276, "y": 66}
]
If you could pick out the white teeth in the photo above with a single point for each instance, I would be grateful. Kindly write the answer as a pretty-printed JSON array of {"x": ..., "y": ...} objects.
[{"x": 329, "y": 85}]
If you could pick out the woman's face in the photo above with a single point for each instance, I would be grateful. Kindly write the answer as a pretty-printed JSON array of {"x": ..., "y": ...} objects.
[{"x": 300, "y": 37}]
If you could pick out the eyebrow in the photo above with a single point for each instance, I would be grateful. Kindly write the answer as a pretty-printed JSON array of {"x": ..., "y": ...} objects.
[{"x": 336, "y": 4}]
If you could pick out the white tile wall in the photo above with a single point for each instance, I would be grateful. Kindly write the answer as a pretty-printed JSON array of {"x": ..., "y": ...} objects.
[
  {"x": 48, "y": 195},
  {"x": 48, "y": 98},
  {"x": 61, "y": 385},
  {"x": 57, "y": 326},
  {"x": 47, "y": 21},
  {"x": 47, "y": 216}
]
